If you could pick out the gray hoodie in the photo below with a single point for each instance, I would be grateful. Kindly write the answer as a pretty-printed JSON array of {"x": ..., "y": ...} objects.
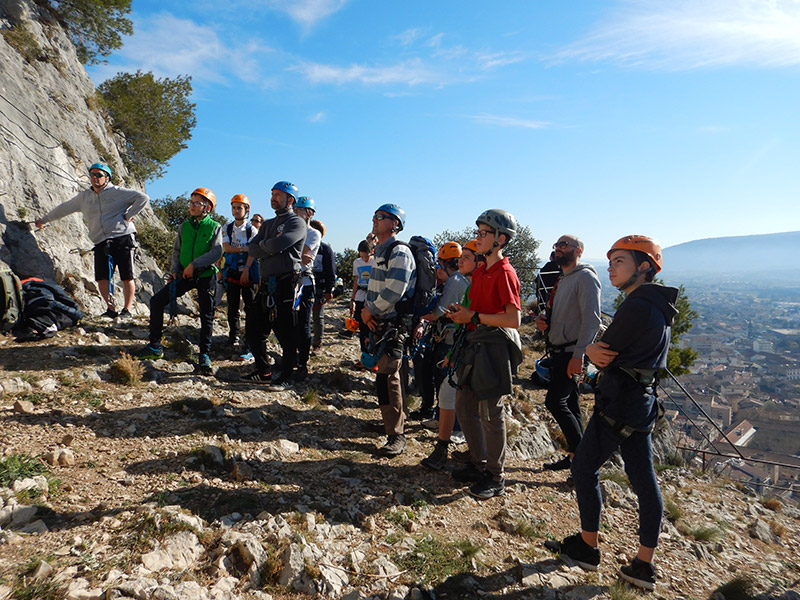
[
  {"x": 575, "y": 316},
  {"x": 105, "y": 213}
]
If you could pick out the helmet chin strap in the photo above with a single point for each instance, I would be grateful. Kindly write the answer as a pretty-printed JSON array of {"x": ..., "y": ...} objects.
[{"x": 631, "y": 280}]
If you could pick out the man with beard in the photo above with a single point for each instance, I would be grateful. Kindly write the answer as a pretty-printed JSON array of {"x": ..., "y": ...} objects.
[
  {"x": 278, "y": 246},
  {"x": 570, "y": 324}
]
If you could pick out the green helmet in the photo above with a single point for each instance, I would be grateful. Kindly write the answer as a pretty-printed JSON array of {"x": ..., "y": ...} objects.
[{"x": 500, "y": 220}]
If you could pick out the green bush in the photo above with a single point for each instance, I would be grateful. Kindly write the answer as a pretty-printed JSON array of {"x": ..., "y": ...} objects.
[
  {"x": 155, "y": 116},
  {"x": 23, "y": 41},
  {"x": 157, "y": 243},
  {"x": 19, "y": 466}
]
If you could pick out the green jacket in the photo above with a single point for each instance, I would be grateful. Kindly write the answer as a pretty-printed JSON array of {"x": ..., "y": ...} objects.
[{"x": 199, "y": 243}]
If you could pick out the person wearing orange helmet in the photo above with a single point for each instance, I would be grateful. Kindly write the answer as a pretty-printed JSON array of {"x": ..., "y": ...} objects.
[
  {"x": 629, "y": 354},
  {"x": 237, "y": 269},
  {"x": 198, "y": 247},
  {"x": 451, "y": 285}
]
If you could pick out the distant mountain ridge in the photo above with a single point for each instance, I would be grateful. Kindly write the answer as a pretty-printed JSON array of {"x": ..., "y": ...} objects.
[{"x": 745, "y": 254}]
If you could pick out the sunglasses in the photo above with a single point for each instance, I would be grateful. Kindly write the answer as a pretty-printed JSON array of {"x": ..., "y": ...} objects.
[
  {"x": 98, "y": 175},
  {"x": 562, "y": 245},
  {"x": 380, "y": 217},
  {"x": 256, "y": 221}
]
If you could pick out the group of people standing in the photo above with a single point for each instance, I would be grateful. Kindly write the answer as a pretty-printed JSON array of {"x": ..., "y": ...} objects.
[{"x": 476, "y": 348}]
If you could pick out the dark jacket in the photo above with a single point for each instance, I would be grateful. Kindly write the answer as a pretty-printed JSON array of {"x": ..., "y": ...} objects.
[
  {"x": 489, "y": 358},
  {"x": 326, "y": 276},
  {"x": 278, "y": 245}
]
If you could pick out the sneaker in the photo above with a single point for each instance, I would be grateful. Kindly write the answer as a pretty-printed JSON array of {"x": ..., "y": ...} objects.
[
  {"x": 204, "y": 363},
  {"x": 559, "y": 465},
  {"x": 394, "y": 446},
  {"x": 234, "y": 340},
  {"x": 281, "y": 377},
  {"x": 432, "y": 424},
  {"x": 300, "y": 374},
  {"x": 438, "y": 458},
  {"x": 246, "y": 357},
  {"x": 640, "y": 573},
  {"x": 573, "y": 547},
  {"x": 257, "y": 377},
  {"x": 488, "y": 488},
  {"x": 110, "y": 314},
  {"x": 457, "y": 437},
  {"x": 421, "y": 414},
  {"x": 150, "y": 352},
  {"x": 468, "y": 474},
  {"x": 125, "y": 314},
  {"x": 460, "y": 456}
]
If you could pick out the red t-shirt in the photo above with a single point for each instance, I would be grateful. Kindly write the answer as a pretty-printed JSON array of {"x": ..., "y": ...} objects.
[{"x": 493, "y": 288}]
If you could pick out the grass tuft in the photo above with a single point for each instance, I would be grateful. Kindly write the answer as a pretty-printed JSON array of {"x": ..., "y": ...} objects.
[
  {"x": 20, "y": 466},
  {"x": 740, "y": 587},
  {"x": 434, "y": 560},
  {"x": 127, "y": 370},
  {"x": 674, "y": 512},
  {"x": 772, "y": 504}
]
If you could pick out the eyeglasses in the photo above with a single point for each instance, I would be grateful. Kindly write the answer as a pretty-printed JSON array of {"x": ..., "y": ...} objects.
[
  {"x": 562, "y": 245},
  {"x": 196, "y": 203},
  {"x": 482, "y": 233},
  {"x": 98, "y": 175}
]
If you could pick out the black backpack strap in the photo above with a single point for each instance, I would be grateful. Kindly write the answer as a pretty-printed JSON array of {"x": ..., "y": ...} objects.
[
  {"x": 385, "y": 258},
  {"x": 230, "y": 233}
]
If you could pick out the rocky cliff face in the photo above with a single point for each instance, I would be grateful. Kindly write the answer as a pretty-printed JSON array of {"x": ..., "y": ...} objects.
[{"x": 52, "y": 128}]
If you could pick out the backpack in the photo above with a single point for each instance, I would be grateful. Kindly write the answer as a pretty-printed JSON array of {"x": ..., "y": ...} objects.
[
  {"x": 10, "y": 300},
  {"x": 424, "y": 298}
]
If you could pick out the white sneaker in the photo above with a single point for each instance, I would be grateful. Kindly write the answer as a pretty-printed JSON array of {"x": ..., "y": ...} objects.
[{"x": 457, "y": 437}]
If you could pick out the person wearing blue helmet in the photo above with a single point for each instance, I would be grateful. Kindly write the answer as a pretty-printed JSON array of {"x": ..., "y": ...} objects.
[
  {"x": 305, "y": 208},
  {"x": 278, "y": 247},
  {"x": 392, "y": 277},
  {"x": 109, "y": 212}
]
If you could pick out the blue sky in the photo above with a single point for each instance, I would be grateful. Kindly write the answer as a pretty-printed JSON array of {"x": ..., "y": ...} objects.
[{"x": 676, "y": 119}]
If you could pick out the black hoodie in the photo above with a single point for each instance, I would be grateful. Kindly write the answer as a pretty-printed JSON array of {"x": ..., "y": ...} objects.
[{"x": 640, "y": 331}]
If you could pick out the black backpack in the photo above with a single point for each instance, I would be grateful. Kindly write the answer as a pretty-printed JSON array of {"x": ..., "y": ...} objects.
[
  {"x": 10, "y": 300},
  {"x": 424, "y": 298}
]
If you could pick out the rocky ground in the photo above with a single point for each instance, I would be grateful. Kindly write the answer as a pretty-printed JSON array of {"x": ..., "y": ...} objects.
[{"x": 186, "y": 486}]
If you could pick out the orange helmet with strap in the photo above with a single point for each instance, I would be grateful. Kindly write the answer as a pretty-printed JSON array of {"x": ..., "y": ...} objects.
[
  {"x": 642, "y": 243},
  {"x": 471, "y": 245},
  {"x": 208, "y": 195},
  {"x": 450, "y": 250},
  {"x": 351, "y": 324},
  {"x": 242, "y": 199}
]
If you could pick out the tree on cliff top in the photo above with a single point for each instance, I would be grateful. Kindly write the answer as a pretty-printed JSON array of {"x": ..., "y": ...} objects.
[
  {"x": 95, "y": 27},
  {"x": 154, "y": 115}
]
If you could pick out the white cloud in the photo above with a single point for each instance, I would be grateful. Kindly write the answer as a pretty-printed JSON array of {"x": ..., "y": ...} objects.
[
  {"x": 499, "y": 121},
  {"x": 317, "y": 117},
  {"x": 308, "y": 12},
  {"x": 169, "y": 46},
  {"x": 411, "y": 72},
  {"x": 487, "y": 60},
  {"x": 408, "y": 37},
  {"x": 690, "y": 34}
]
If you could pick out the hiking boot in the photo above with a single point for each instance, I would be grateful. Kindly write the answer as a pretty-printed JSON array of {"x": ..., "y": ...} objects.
[
  {"x": 394, "y": 446},
  {"x": 110, "y": 314},
  {"x": 468, "y": 474},
  {"x": 488, "y": 488},
  {"x": 151, "y": 352},
  {"x": 559, "y": 465},
  {"x": 460, "y": 456},
  {"x": 573, "y": 547},
  {"x": 640, "y": 573},
  {"x": 438, "y": 458},
  {"x": 204, "y": 364},
  {"x": 246, "y": 357},
  {"x": 125, "y": 314},
  {"x": 300, "y": 374},
  {"x": 257, "y": 377},
  {"x": 421, "y": 414}
]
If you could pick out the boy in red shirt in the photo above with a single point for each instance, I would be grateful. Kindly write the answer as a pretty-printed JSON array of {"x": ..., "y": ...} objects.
[{"x": 489, "y": 356}]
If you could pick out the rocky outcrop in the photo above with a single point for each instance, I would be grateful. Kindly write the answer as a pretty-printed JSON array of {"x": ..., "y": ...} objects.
[{"x": 52, "y": 127}]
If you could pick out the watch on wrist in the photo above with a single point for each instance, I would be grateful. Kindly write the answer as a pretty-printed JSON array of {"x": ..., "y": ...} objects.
[{"x": 476, "y": 318}]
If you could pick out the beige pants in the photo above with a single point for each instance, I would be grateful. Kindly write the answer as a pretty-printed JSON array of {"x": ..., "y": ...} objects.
[{"x": 484, "y": 426}]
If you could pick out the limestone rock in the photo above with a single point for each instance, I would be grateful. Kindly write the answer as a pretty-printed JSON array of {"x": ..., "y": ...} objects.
[
  {"x": 24, "y": 407},
  {"x": 178, "y": 551}
]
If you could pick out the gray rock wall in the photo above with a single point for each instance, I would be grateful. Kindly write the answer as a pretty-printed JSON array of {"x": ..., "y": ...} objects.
[{"x": 47, "y": 111}]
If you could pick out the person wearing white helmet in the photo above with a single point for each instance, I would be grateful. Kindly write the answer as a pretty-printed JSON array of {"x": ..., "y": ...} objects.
[
  {"x": 490, "y": 354},
  {"x": 109, "y": 212}
]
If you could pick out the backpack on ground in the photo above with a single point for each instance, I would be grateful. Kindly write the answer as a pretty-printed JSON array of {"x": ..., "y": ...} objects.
[
  {"x": 10, "y": 300},
  {"x": 424, "y": 298}
]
